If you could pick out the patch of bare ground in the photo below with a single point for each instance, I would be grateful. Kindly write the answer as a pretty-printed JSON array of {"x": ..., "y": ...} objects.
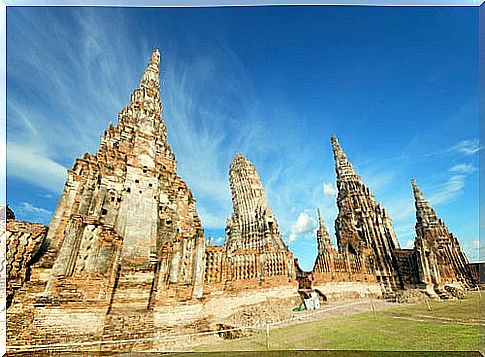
[{"x": 277, "y": 313}]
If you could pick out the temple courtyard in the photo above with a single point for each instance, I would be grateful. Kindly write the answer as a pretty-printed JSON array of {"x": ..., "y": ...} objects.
[{"x": 450, "y": 325}]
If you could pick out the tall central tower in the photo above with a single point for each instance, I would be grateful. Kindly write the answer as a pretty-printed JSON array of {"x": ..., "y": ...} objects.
[{"x": 125, "y": 216}]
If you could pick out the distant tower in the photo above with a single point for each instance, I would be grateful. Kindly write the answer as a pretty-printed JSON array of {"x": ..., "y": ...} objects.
[
  {"x": 124, "y": 214},
  {"x": 252, "y": 224},
  {"x": 440, "y": 258},
  {"x": 252, "y": 234},
  {"x": 324, "y": 243},
  {"x": 362, "y": 226},
  {"x": 325, "y": 249}
]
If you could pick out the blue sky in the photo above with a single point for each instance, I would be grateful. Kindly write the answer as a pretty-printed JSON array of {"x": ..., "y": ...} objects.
[{"x": 398, "y": 86}]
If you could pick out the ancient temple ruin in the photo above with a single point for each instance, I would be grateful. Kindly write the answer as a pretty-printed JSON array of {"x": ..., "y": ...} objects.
[
  {"x": 331, "y": 265},
  {"x": 363, "y": 228},
  {"x": 254, "y": 255},
  {"x": 24, "y": 240},
  {"x": 125, "y": 242},
  {"x": 440, "y": 258},
  {"x": 254, "y": 243},
  {"x": 124, "y": 254},
  {"x": 252, "y": 224},
  {"x": 125, "y": 216},
  {"x": 368, "y": 249}
]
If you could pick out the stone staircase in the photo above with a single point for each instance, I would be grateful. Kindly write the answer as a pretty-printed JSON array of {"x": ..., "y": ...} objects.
[{"x": 132, "y": 292}]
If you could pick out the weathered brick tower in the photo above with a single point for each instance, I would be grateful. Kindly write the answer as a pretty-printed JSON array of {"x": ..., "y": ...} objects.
[
  {"x": 126, "y": 228},
  {"x": 253, "y": 238},
  {"x": 440, "y": 258},
  {"x": 362, "y": 226},
  {"x": 252, "y": 224}
]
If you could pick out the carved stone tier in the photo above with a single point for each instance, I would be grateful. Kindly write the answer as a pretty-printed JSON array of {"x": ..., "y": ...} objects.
[
  {"x": 362, "y": 226},
  {"x": 24, "y": 241},
  {"x": 440, "y": 258},
  {"x": 125, "y": 217},
  {"x": 254, "y": 245},
  {"x": 252, "y": 224}
]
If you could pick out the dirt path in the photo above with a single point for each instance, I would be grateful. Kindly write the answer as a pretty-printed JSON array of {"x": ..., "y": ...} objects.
[
  {"x": 338, "y": 309},
  {"x": 346, "y": 308}
]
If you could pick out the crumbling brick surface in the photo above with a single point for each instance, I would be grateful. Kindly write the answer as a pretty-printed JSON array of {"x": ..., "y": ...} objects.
[
  {"x": 125, "y": 257},
  {"x": 23, "y": 240},
  {"x": 439, "y": 257}
]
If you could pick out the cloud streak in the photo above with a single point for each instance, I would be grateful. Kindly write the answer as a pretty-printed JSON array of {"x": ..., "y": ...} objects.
[
  {"x": 463, "y": 169},
  {"x": 329, "y": 190},
  {"x": 467, "y": 147}
]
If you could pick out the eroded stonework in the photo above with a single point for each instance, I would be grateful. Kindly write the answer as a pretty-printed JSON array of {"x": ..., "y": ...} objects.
[
  {"x": 254, "y": 245},
  {"x": 333, "y": 266},
  {"x": 369, "y": 250},
  {"x": 125, "y": 253},
  {"x": 24, "y": 240},
  {"x": 440, "y": 258},
  {"x": 362, "y": 226},
  {"x": 125, "y": 221},
  {"x": 252, "y": 224},
  {"x": 125, "y": 257}
]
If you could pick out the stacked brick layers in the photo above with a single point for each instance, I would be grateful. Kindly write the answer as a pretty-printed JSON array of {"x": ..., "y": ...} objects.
[
  {"x": 254, "y": 245},
  {"x": 125, "y": 253},
  {"x": 24, "y": 241},
  {"x": 368, "y": 249},
  {"x": 354, "y": 272},
  {"x": 363, "y": 228},
  {"x": 124, "y": 256}
]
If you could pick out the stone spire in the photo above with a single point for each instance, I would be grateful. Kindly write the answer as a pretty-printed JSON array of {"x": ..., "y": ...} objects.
[
  {"x": 440, "y": 257},
  {"x": 151, "y": 76},
  {"x": 425, "y": 214},
  {"x": 343, "y": 167},
  {"x": 324, "y": 243},
  {"x": 252, "y": 225},
  {"x": 145, "y": 107},
  {"x": 125, "y": 214},
  {"x": 362, "y": 226}
]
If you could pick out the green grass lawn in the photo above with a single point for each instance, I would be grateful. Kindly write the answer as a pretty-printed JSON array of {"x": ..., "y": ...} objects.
[{"x": 390, "y": 330}]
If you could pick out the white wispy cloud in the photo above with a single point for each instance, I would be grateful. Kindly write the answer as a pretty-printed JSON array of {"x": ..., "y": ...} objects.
[
  {"x": 329, "y": 190},
  {"x": 463, "y": 169},
  {"x": 80, "y": 104},
  {"x": 451, "y": 189},
  {"x": 304, "y": 226},
  {"x": 35, "y": 168},
  {"x": 28, "y": 209},
  {"x": 467, "y": 147}
]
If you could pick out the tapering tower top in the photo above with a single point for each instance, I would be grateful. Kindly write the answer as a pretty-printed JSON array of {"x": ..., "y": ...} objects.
[
  {"x": 151, "y": 76},
  {"x": 320, "y": 219},
  {"x": 145, "y": 108},
  {"x": 252, "y": 224},
  {"x": 324, "y": 243},
  {"x": 345, "y": 170},
  {"x": 425, "y": 214},
  {"x": 246, "y": 186}
]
